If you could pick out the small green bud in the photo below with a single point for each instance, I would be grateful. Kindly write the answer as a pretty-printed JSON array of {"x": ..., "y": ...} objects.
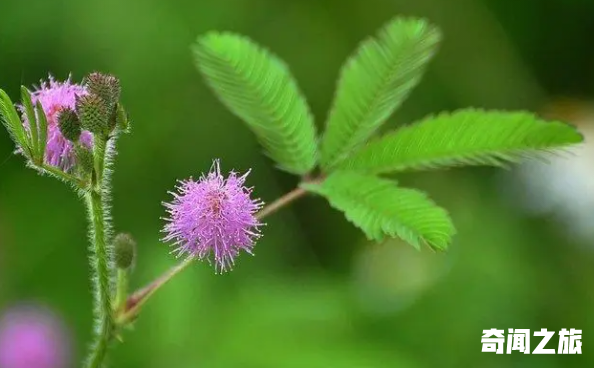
[
  {"x": 124, "y": 250},
  {"x": 92, "y": 113},
  {"x": 105, "y": 86},
  {"x": 69, "y": 124},
  {"x": 84, "y": 159}
]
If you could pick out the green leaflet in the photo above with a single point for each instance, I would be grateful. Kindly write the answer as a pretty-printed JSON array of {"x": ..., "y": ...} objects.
[
  {"x": 258, "y": 87},
  {"x": 42, "y": 130},
  {"x": 32, "y": 119},
  {"x": 380, "y": 208},
  {"x": 464, "y": 137},
  {"x": 374, "y": 82},
  {"x": 12, "y": 121}
]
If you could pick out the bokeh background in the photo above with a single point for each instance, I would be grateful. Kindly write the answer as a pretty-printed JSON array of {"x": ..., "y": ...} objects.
[{"x": 316, "y": 294}]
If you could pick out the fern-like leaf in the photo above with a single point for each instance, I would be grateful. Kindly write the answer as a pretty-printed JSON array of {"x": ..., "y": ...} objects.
[
  {"x": 380, "y": 208},
  {"x": 258, "y": 87},
  {"x": 374, "y": 82},
  {"x": 464, "y": 137}
]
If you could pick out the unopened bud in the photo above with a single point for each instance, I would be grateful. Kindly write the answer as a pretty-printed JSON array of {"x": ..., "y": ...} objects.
[
  {"x": 84, "y": 159},
  {"x": 69, "y": 124},
  {"x": 92, "y": 113},
  {"x": 107, "y": 87},
  {"x": 124, "y": 250}
]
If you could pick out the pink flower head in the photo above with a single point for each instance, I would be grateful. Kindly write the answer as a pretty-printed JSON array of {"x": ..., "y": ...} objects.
[
  {"x": 213, "y": 218},
  {"x": 54, "y": 96},
  {"x": 32, "y": 338}
]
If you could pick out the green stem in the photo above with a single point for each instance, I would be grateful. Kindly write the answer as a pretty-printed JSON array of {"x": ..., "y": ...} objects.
[
  {"x": 99, "y": 146},
  {"x": 281, "y": 202},
  {"x": 140, "y": 297},
  {"x": 101, "y": 278},
  {"x": 121, "y": 290},
  {"x": 100, "y": 261}
]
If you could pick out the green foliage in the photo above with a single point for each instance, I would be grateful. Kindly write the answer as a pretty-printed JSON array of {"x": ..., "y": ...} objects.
[
  {"x": 380, "y": 208},
  {"x": 464, "y": 137},
  {"x": 42, "y": 130},
  {"x": 374, "y": 82},
  {"x": 11, "y": 120},
  {"x": 121, "y": 119},
  {"x": 258, "y": 87},
  {"x": 32, "y": 119},
  {"x": 34, "y": 140}
]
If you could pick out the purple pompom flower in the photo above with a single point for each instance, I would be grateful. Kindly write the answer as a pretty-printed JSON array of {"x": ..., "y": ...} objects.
[
  {"x": 54, "y": 96},
  {"x": 213, "y": 218},
  {"x": 32, "y": 338}
]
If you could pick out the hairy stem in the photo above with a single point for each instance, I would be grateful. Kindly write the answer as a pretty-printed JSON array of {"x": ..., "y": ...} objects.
[
  {"x": 140, "y": 297},
  {"x": 101, "y": 279},
  {"x": 100, "y": 264},
  {"x": 99, "y": 146}
]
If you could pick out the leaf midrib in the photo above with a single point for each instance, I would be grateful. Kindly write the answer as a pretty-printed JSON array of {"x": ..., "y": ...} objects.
[{"x": 440, "y": 158}]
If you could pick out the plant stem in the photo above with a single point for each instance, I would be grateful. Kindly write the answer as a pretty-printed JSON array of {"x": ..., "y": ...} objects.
[
  {"x": 99, "y": 146},
  {"x": 101, "y": 272},
  {"x": 121, "y": 290},
  {"x": 101, "y": 279},
  {"x": 281, "y": 202},
  {"x": 140, "y": 297}
]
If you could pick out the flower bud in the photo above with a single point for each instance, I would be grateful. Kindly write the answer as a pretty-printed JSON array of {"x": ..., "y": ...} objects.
[
  {"x": 124, "y": 250},
  {"x": 92, "y": 113},
  {"x": 107, "y": 87},
  {"x": 69, "y": 124},
  {"x": 84, "y": 159}
]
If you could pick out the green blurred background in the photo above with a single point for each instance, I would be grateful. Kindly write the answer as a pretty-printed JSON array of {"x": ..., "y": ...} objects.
[{"x": 316, "y": 294}]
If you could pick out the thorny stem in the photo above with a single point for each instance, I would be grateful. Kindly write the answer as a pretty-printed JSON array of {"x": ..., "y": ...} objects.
[
  {"x": 140, "y": 297},
  {"x": 100, "y": 262}
]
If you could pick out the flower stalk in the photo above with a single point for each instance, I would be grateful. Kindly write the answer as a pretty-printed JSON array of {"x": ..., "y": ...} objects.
[
  {"x": 100, "y": 261},
  {"x": 121, "y": 290},
  {"x": 124, "y": 249}
]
